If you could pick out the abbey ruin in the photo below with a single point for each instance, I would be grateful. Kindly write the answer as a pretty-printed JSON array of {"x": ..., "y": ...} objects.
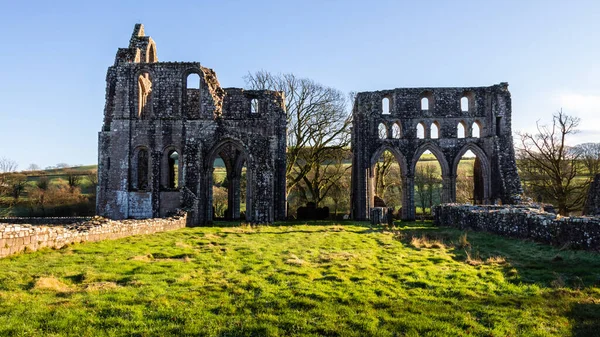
[
  {"x": 160, "y": 138},
  {"x": 451, "y": 121}
]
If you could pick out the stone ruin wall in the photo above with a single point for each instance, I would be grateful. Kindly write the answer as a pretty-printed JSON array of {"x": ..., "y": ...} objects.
[
  {"x": 151, "y": 114},
  {"x": 16, "y": 237},
  {"x": 375, "y": 130},
  {"x": 523, "y": 222}
]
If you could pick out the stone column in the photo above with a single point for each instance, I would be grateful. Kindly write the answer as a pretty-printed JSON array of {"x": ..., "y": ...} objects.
[
  {"x": 408, "y": 199},
  {"x": 233, "y": 198},
  {"x": 448, "y": 189}
]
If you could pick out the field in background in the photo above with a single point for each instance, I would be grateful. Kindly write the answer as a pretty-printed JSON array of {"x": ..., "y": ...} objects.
[{"x": 321, "y": 279}]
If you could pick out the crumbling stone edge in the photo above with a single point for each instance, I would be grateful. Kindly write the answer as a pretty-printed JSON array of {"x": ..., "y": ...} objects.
[
  {"x": 16, "y": 237},
  {"x": 527, "y": 221}
]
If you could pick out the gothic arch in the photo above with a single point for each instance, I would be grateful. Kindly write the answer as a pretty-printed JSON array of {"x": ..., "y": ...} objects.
[
  {"x": 485, "y": 167},
  {"x": 437, "y": 152},
  {"x": 400, "y": 158}
]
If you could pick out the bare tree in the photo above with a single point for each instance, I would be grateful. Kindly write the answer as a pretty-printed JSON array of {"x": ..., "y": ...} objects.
[
  {"x": 589, "y": 154},
  {"x": 8, "y": 165},
  {"x": 549, "y": 167},
  {"x": 16, "y": 184},
  {"x": 92, "y": 177},
  {"x": 74, "y": 179},
  {"x": 33, "y": 167},
  {"x": 318, "y": 124},
  {"x": 427, "y": 183}
]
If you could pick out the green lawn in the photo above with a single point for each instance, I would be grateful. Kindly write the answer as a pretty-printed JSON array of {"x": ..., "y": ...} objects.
[{"x": 312, "y": 280}]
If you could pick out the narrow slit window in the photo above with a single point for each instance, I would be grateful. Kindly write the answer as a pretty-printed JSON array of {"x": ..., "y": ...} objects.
[
  {"x": 254, "y": 106},
  {"x": 498, "y": 126},
  {"x": 173, "y": 169}
]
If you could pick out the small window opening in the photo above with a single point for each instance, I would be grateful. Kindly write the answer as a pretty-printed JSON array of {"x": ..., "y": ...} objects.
[
  {"x": 475, "y": 130},
  {"x": 385, "y": 105},
  {"x": 498, "y": 125},
  {"x": 464, "y": 104},
  {"x": 435, "y": 130},
  {"x": 396, "y": 131},
  {"x": 382, "y": 131},
  {"x": 193, "y": 81},
  {"x": 254, "y": 106},
  {"x": 460, "y": 130},
  {"x": 424, "y": 103},
  {"x": 420, "y": 131},
  {"x": 173, "y": 170}
]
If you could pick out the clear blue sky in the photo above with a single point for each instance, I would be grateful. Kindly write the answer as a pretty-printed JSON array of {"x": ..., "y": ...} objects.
[{"x": 54, "y": 56}]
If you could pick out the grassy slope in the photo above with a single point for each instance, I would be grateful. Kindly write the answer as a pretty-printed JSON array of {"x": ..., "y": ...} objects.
[{"x": 302, "y": 280}]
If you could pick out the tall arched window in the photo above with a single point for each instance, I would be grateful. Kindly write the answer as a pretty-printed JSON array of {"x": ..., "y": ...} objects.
[
  {"x": 173, "y": 170},
  {"x": 382, "y": 131},
  {"x": 434, "y": 130},
  {"x": 385, "y": 105},
  {"x": 192, "y": 94},
  {"x": 475, "y": 130},
  {"x": 151, "y": 54},
  {"x": 460, "y": 130},
  {"x": 421, "y": 131},
  {"x": 144, "y": 95},
  {"x": 142, "y": 170},
  {"x": 396, "y": 131}
]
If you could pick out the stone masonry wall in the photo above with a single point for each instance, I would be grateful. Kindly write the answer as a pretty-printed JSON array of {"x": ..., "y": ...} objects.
[
  {"x": 524, "y": 222},
  {"x": 15, "y": 238}
]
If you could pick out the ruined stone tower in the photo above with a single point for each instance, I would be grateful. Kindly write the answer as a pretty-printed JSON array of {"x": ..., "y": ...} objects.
[
  {"x": 160, "y": 139},
  {"x": 388, "y": 120}
]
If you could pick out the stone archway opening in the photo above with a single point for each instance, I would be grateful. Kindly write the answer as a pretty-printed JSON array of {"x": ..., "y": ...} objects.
[
  {"x": 472, "y": 179},
  {"x": 428, "y": 182},
  {"x": 229, "y": 185},
  {"x": 387, "y": 182}
]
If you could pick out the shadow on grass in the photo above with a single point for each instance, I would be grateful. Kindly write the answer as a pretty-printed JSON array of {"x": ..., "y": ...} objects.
[
  {"x": 586, "y": 318},
  {"x": 521, "y": 260}
]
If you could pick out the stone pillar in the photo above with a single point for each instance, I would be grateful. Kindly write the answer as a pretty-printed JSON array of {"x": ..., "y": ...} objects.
[
  {"x": 408, "y": 199},
  {"x": 233, "y": 198},
  {"x": 448, "y": 189},
  {"x": 451, "y": 184}
]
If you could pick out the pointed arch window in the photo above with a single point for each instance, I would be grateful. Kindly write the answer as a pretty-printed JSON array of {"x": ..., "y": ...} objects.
[
  {"x": 382, "y": 131},
  {"x": 144, "y": 95}
]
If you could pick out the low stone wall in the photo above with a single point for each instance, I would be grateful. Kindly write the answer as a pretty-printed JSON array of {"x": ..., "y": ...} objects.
[
  {"x": 524, "y": 222},
  {"x": 15, "y": 238},
  {"x": 44, "y": 221}
]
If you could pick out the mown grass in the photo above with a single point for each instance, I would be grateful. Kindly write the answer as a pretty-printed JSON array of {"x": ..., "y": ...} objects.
[{"x": 322, "y": 279}]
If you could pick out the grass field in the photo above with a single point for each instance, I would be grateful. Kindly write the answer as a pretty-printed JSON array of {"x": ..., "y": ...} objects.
[{"x": 311, "y": 280}]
